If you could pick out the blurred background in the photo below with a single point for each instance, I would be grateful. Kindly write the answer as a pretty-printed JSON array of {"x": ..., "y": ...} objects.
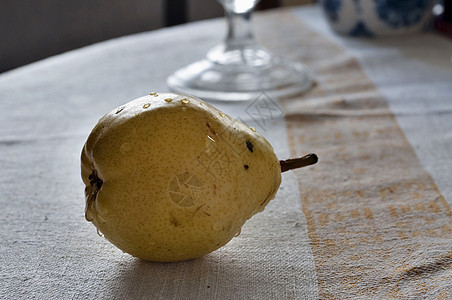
[{"x": 31, "y": 30}]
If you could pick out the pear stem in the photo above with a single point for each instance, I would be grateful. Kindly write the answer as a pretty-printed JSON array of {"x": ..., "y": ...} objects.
[{"x": 295, "y": 163}]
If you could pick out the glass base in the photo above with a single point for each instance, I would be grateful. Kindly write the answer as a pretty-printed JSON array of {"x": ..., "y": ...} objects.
[{"x": 240, "y": 76}]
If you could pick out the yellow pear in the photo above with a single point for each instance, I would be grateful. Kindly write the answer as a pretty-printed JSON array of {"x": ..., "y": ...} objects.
[{"x": 169, "y": 177}]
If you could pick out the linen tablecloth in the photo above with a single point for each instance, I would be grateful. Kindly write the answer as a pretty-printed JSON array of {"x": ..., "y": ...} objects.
[{"x": 371, "y": 220}]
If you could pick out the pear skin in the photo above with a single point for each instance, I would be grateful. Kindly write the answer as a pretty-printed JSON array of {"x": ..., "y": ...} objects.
[{"x": 169, "y": 177}]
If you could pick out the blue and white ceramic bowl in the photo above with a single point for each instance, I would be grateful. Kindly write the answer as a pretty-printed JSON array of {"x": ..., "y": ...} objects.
[{"x": 377, "y": 17}]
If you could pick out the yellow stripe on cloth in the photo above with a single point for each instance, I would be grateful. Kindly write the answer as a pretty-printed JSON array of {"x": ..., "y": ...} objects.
[{"x": 378, "y": 225}]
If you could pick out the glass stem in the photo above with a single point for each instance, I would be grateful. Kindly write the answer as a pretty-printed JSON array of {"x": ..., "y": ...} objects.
[{"x": 240, "y": 31}]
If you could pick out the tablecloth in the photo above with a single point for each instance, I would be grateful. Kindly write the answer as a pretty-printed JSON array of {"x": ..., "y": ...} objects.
[{"x": 371, "y": 220}]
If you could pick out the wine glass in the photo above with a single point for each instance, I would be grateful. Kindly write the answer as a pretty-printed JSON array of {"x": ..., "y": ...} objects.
[{"x": 239, "y": 69}]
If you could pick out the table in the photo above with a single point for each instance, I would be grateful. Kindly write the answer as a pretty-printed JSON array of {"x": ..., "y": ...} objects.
[{"x": 371, "y": 219}]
